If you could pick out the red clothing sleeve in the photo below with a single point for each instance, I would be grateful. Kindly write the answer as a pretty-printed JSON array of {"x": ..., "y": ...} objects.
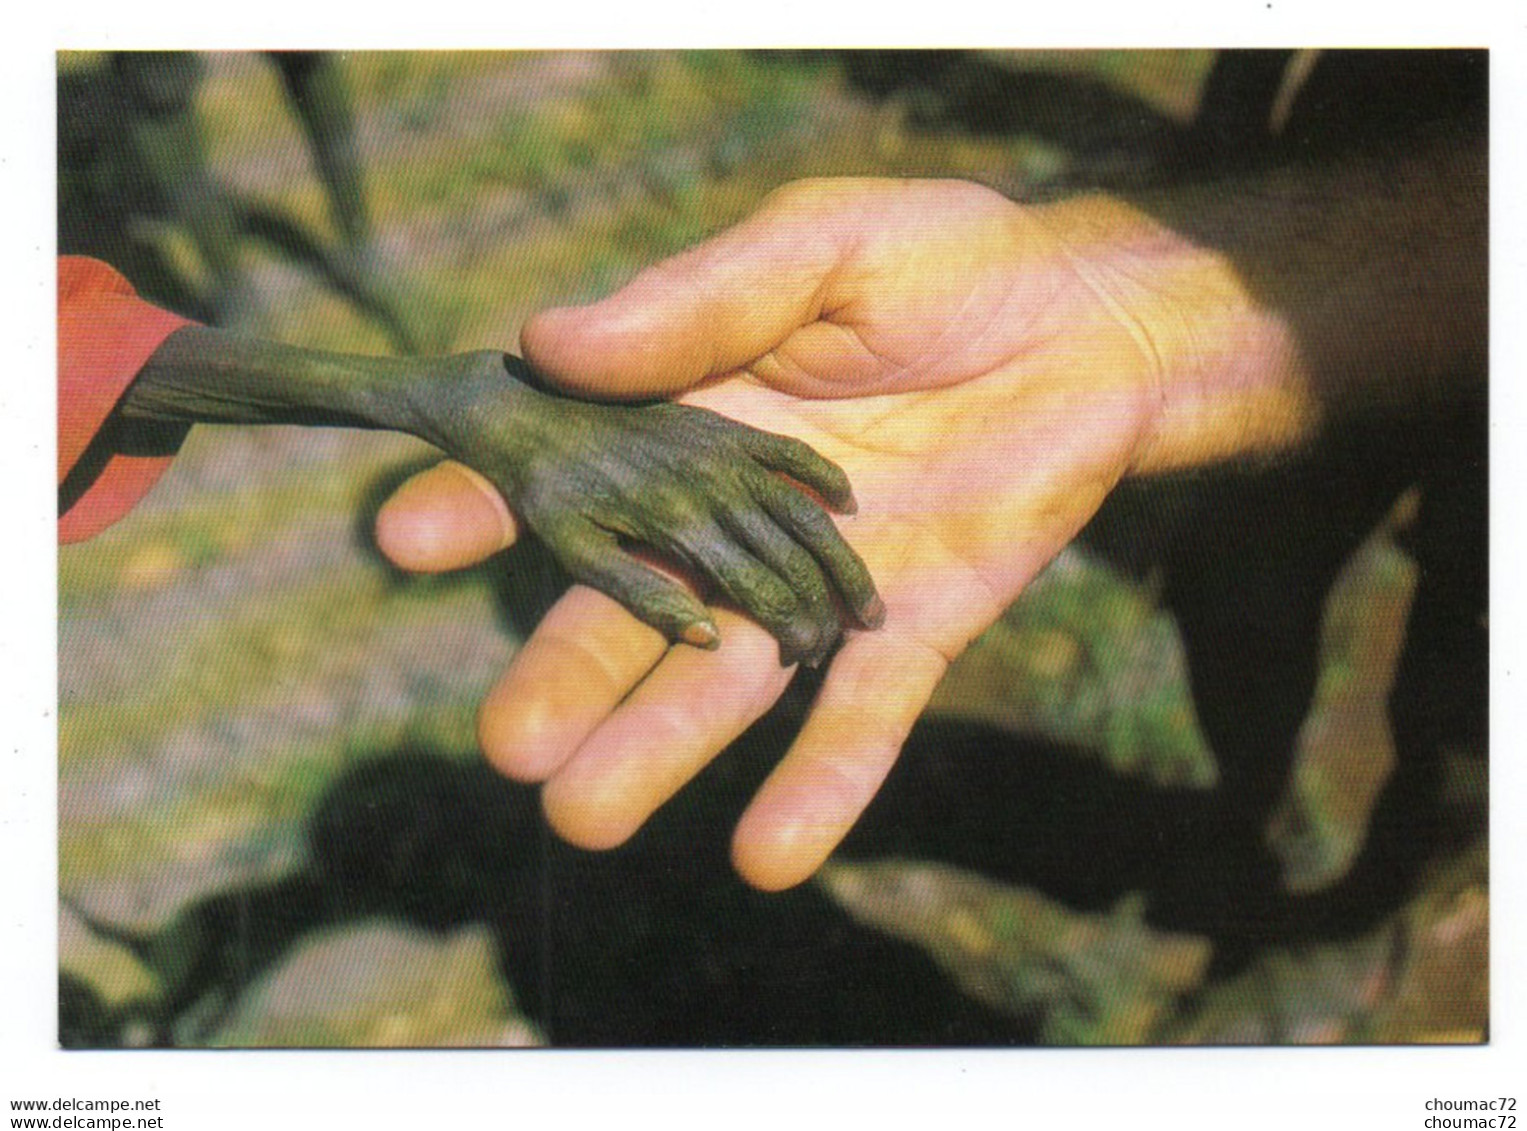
[{"x": 105, "y": 335}]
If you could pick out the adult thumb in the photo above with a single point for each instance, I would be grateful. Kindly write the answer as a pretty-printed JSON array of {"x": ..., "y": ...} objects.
[{"x": 707, "y": 311}]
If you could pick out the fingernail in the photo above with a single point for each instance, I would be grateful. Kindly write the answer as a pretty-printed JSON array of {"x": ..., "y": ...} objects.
[
  {"x": 702, "y": 634},
  {"x": 850, "y": 504},
  {"x": 873, "y": 613}
]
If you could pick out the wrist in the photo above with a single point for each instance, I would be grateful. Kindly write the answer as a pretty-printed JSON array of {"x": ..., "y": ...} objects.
[{"x": 1219, "y": 373}]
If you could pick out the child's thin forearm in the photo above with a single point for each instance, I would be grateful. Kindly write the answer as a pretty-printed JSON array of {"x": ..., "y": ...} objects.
[{"x": 1279, "y": 301}]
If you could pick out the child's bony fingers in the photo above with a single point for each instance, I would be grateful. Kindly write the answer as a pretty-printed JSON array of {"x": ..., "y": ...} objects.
[
  {"x": 808, "y": 523},
  {"x": 594, "y": 557},
  {"x": 804, "y": 464}
]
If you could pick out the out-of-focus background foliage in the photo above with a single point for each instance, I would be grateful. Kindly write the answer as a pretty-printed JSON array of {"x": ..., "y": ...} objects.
[{"x": 273, "y": 825}]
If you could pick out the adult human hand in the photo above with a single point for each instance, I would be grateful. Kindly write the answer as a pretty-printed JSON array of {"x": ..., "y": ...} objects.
[{"x": 1006, "y": 367}]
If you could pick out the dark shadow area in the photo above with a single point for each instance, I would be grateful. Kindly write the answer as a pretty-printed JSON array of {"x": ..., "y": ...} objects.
[{"x": 85, "y": 1020}]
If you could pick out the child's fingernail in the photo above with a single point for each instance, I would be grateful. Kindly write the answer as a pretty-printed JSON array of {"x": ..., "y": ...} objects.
[
  {"x": 702, "y": 634},
  {"x": 873, "y": 613}
]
